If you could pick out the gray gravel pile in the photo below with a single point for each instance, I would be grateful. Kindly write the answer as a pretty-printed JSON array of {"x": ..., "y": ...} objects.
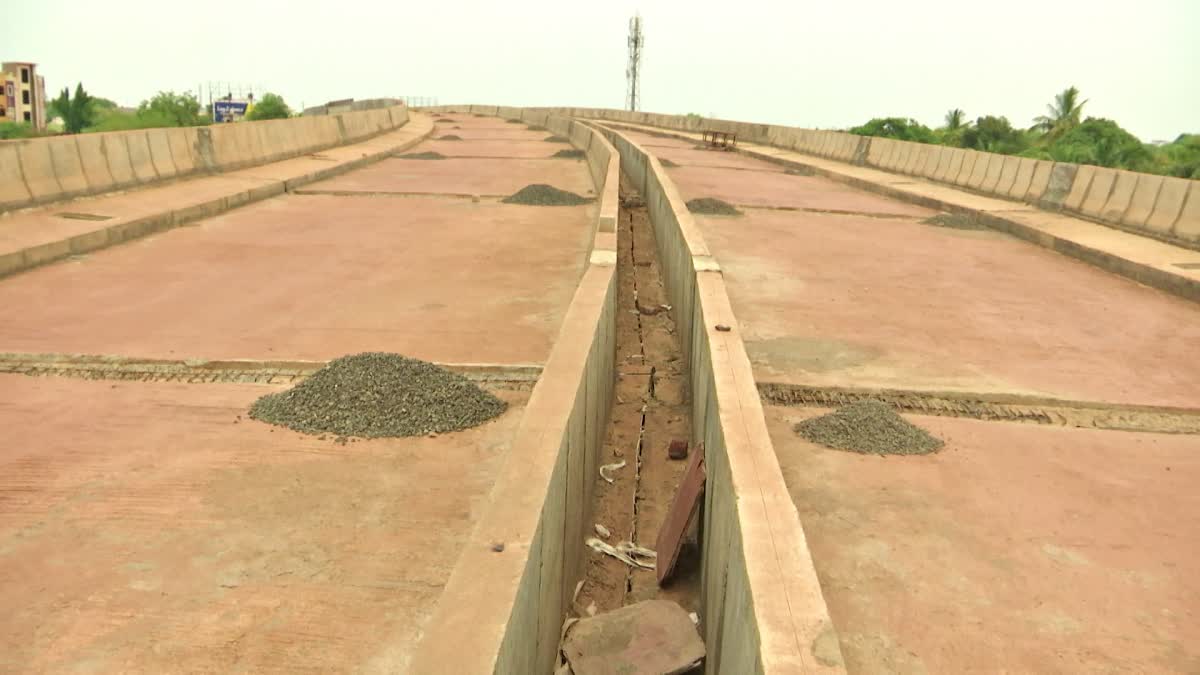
[
  {"x": 573, "y": 153},
  {"x": 450, "y": 137},
  {"x": 377, "y": 395},
  {"x": 709, "y": 206},
  {"x": 444, "y": 121},
  {"x": 534, "y": 127},
  {"x": 956, "y": 221},
  {"x": 800, "y": 171},
  {"x": 540, "y": 194},
  {"x": 423, "y": 155},
  {"x": 556, "y": 139},
  {"x": 869, "y": 428},
  {"x": 515, "y": 121}
]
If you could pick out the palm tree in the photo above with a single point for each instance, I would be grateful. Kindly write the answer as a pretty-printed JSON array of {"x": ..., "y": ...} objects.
[
  {"x": 1064, "y": 113},
  {"x": 954, "y": 119}
]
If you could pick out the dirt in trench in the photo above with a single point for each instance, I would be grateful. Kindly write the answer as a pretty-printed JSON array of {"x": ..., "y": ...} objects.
[{"x": 642, "y": 425}]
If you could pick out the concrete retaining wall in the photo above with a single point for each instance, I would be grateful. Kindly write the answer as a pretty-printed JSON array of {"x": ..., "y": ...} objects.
[
  {"x": 45, "y": 170},
  {"x": 1157, "y": 206},
  {"x": 502, "y": 611},
  {"x": 763, "y": 611}
]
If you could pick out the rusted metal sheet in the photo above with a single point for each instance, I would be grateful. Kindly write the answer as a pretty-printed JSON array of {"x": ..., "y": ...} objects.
[{"x": 674, "y": 529}]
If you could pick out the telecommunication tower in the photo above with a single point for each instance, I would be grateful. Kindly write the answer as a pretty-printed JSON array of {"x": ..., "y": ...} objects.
[{"x": 633, "y": 94}]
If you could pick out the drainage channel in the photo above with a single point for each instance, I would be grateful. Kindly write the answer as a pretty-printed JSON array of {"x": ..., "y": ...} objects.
[{"x": 651, "y": 408}]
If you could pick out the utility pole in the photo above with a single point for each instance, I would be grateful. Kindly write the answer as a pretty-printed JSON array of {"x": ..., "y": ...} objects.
[{"x": 633, "y": 94}]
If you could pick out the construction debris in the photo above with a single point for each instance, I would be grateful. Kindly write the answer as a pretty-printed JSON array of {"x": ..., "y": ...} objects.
[
  {"x": 570, "y": 154},
  {"x": 654, "y": 637},
  {"x": 556, "y": 139},
  {"x": 709, "y": 206},
  {"x": 677, "y": 449},
  {"x": 602, "y": 530},
  {"x": 957, "y": 221},
  {"x": 375, "y": 395},
  {"x": 683, "y": 508},
  {"x": 540, "y": 194},
  {"x": 423, "y": 155},
  {"x": 449, "y": 137},
  {"x": 870, "y": 428},
  {"x": 610, "y": 467},
  {"x": 627, "y": 552}
]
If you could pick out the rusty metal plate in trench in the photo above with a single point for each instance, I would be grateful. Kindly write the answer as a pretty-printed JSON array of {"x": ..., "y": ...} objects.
[{"x": 674, "y": 529}]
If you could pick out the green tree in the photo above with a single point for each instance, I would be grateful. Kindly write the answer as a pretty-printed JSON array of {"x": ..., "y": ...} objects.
[
  {"x": 993, "y": 134},
  {"x": 954, "y": 119},
  {"x": 77, "y": 112},
  {"x": 1063, "y": 115},
  {"x": 180, "y": 110},
  {"x": 1103, "y": 143},
  {"x": 896, "y": 127},
  {"x": 1181, "y": 157},
  {"x": 271, "y": 107}
]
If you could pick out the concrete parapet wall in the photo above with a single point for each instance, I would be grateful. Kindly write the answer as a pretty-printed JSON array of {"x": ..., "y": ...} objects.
[
  {"x": 502, "y": 611},
  {"x": 46, "y": 170},
  {"x": 1045, "y": 184}
]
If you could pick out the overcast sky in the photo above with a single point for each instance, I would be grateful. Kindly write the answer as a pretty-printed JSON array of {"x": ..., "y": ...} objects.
[{"x": 824, "y": 64}]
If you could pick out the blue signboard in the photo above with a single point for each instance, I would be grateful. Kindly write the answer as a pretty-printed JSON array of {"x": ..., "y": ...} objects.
[{"x": 229, "y": 111}]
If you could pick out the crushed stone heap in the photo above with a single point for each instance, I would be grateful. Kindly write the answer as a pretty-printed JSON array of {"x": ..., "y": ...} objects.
[
  {"x": 376, "y": 395},
  {"x": 869, "y": 428}
]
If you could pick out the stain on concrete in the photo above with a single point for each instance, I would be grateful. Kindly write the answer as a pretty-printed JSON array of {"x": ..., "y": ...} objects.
[
  {"x": 811, "y": 354},
  {"x": 826, "y": 648}
]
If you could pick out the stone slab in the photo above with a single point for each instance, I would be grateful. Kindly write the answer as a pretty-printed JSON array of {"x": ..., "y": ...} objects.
[{"x": 653, "y": 637}]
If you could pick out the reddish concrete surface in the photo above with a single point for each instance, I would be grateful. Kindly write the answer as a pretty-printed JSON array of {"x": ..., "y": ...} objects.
[
  {"x": 865, "y": 301},
  {"x": 501, "y": 176},
  {"x": 769, "y": 187},
  {"x": 143, "y": 528},
  {"x": 316, "y": 277},
  {"x": 869, "y": 302},
  {"x": 1017, "y": 548},
  {"x": 535, "y": 148},
  {"x": 31, "y": 227}
]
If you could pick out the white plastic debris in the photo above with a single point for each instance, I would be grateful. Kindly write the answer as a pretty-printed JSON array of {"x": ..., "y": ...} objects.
[
  {"x": 627, "y": 552},
  {"x": 602, "y": 530},
  {"x": 695, "y": 618},
  {"x": 610, "y": 467}
]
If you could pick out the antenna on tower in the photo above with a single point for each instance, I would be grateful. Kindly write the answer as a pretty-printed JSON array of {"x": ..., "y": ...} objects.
[{"x": 633, "y": 94}]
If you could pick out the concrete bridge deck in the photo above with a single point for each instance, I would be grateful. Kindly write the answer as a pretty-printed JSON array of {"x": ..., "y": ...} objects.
[
  {"x": 149, "y": 525},
  {"x": 146, "y": 524},
  {"x": 1020, "y": 547}
]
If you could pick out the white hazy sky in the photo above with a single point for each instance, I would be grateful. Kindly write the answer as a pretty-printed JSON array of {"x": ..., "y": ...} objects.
[{"x": 824, "y": 64}]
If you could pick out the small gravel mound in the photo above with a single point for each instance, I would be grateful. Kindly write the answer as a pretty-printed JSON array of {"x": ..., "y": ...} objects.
[
  {"x": 423, "y": 155},
  {"x": 540, "y": 194},
  {"x": 534, "y": 127},
  {"x": 668, "y": 163},
  {"x": 443, "y": 121},
  {"x": 869, "y": 428},
  {"x": 515, "y": 121},
  {"x": 556, "y": 139},
  {"x": 570, "y": 154},
  {"x": 956, "y": 221},
  {"x": 709, "y": 206},
  {"x": 376, "y": 395},
  {"x": 450, "y": 137},
  {"x": 800, "y": 171}
]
